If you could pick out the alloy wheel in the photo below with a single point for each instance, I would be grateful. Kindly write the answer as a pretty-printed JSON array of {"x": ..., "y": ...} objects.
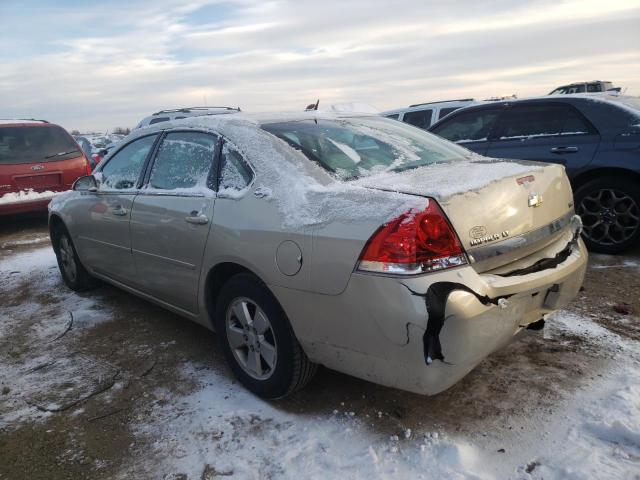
[
  {"x": 609, "y": 216},
  {"x": 251, "y": 338}
]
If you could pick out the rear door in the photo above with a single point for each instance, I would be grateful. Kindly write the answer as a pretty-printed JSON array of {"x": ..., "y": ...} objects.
[
  {"x": 172, "y": 215},
  {"x": 472, "y": 128},
  {"x": 554, "y": 133},
  {"x": 101, "y": 218}
]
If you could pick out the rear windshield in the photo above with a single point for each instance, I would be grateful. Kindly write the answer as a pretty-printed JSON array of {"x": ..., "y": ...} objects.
[
  {"x": 357, "y": 147},
  {"x": 35, "y": 144}
]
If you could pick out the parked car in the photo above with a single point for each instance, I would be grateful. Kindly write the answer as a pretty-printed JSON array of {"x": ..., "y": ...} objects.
[
  {"x": 595, "y": 137},
  {"x": 423, "y": 115},
  {"x": 595, "y": 86},
  {"x": 356, "y": 242},
  {"x": 37, "y": 160},
  {"x": 179, "y": 113}
]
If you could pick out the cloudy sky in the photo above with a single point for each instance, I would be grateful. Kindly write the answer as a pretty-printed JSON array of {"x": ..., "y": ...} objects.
[{"x": 98, "y": 65}]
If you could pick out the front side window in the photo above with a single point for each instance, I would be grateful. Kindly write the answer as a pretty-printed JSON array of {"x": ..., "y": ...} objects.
[
  {"x": 183, "y": 161},
  {"x": 235, "y": 173},
  {"x": 541, "y": 121},
  {"x": 472, "y": 126},
  {"x": 420, "y": 118},
  {"x": 122, "y": 170},
  {"x": 352, "y": 148},
  {"x": 35, "y": 144},
  {"x": 594, "y": 87}
]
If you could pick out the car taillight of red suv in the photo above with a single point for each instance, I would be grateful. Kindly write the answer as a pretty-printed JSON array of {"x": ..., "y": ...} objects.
[{"x": 37, "y": 160}]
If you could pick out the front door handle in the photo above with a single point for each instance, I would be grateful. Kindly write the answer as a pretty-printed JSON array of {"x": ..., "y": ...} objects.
[
  {"x": 561, "y": 150},
  {"x": 197, "y": 219},
  {"x": 119, "y": 211}
]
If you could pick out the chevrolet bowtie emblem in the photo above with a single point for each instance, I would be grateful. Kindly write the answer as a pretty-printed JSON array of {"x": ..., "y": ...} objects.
[{"x": 535, "y": 200}]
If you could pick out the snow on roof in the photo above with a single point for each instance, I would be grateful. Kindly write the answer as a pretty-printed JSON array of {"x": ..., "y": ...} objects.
[{"x": 16, "y": 121}]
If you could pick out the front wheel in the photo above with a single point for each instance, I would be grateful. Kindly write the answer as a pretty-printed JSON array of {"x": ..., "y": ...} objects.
[
  {"x": 610, "y": 212},
  {"x": 73, "y": 272},
  {"x": 258, "y": 342}
]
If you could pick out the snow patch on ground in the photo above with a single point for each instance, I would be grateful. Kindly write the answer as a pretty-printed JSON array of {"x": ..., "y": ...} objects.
[
  {"x": 230, "y": 430},
  {"x": 24, "y": 196},
  {"x": 40, "y": 325}
]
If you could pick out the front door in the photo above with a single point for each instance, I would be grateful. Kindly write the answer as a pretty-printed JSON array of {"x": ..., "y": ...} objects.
[
  {"x": 171, "y": 218},
  {"x": 102, "y": 217}
]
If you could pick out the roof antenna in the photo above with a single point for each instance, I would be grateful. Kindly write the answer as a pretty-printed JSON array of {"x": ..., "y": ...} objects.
[{"x": 312, "y": 106}]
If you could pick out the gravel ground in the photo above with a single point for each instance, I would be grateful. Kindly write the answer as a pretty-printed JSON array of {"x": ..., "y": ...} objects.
[{"x": 105, "y": 385}]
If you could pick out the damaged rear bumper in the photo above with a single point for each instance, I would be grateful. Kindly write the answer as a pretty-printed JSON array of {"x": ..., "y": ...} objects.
[{"x": 382, "y": 328}]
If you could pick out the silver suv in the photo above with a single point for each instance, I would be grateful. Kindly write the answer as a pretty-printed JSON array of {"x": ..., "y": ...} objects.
[
  {"x": 178, "y": 113},
  {"x": 423, "y": 115}
]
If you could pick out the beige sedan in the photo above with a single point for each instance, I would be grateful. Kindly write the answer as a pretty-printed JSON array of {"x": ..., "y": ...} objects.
[{"x": 355, "y": 242}]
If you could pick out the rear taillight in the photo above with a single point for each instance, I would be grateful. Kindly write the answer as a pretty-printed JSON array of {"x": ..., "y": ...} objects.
[
  {"x": 415, "y": 242},
  {"x": 87, "y": 166}
]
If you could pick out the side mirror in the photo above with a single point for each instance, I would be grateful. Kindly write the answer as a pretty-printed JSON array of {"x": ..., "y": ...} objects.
[
  {"x": 103, "y": 152},
  {"x": 87, "y": 183}
]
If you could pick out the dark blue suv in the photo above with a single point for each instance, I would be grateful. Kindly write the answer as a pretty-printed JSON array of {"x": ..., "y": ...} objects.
[{"x": 597, "y": 139}]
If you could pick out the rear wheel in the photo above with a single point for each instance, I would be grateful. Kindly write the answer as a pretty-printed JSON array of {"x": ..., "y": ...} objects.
[
  {"x": 610, "y": 212},
  {"x": 73, "y": 272},
  {"x": 258, "y": 341}
]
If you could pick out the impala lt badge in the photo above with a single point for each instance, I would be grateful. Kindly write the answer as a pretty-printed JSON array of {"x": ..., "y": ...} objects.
[
  {"x": 535, "y": 200},
  {"x": 37, "y": 167}
]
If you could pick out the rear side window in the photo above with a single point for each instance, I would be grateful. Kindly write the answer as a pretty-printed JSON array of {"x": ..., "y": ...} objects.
[
  {"x": 36, "y": 144},
  {"x": 183, "y": 161},
  {"x": 420, "y": 118},
  {"x": 446, "y": 111},
  {"x": 472, "y": 126},
  {"x": 123, "y": 169},
  {"x": 158, "y": 120},
  {"x": 235, "y": 173},
  {"x": 594, "y": 87},
  {"x": 394, "y": 116},
  {"x": 542, "y": 121}
]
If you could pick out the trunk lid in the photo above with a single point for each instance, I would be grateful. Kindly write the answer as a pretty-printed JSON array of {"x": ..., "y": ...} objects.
[{"x": 502, "y": 211}]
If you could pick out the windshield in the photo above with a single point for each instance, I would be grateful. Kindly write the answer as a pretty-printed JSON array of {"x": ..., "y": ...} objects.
[
  {"x": 35, "y": 144},
  {"x": 352, "y": 148}
]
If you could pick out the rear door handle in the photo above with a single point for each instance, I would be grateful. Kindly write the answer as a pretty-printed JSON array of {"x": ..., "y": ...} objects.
[
  {"x": 197, "y": 219},
  {"x": 119, "y": 211},
  {"x": 564, "y": 150}
]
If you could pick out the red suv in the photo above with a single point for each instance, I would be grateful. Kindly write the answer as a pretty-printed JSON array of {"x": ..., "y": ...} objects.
[{"x": 37, "y": 160}]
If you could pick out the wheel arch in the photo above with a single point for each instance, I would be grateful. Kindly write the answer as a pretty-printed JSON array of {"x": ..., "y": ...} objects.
[
  {"x": 217, "y": 276},
  {"x": 55, "y": 224},
  {"x": 596, "y": 173}
]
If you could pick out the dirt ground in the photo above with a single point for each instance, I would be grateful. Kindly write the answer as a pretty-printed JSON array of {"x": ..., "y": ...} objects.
[{"x": 80, "y": 426}]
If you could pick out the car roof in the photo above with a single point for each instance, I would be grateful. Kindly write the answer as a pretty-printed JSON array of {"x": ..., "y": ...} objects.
[
  {"x": 195, "y": 109},
  {"x": 423, "y": 106},
  {"x": 22, "y": 121},
  {"x": 601, "y": 117}
]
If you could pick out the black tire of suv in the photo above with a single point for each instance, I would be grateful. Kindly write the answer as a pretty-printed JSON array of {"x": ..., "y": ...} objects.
[
  {"x": 590, "y": 189},
  {"x": 293, "y": 369},
  {"x": 83, "y": 280}
]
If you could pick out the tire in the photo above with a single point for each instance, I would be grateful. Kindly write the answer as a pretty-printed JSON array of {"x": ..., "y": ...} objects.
[
  {"x": 75, "y": 276},
  {"x": 610, "y": 212},
  {"x": 258, "y": 341}
]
